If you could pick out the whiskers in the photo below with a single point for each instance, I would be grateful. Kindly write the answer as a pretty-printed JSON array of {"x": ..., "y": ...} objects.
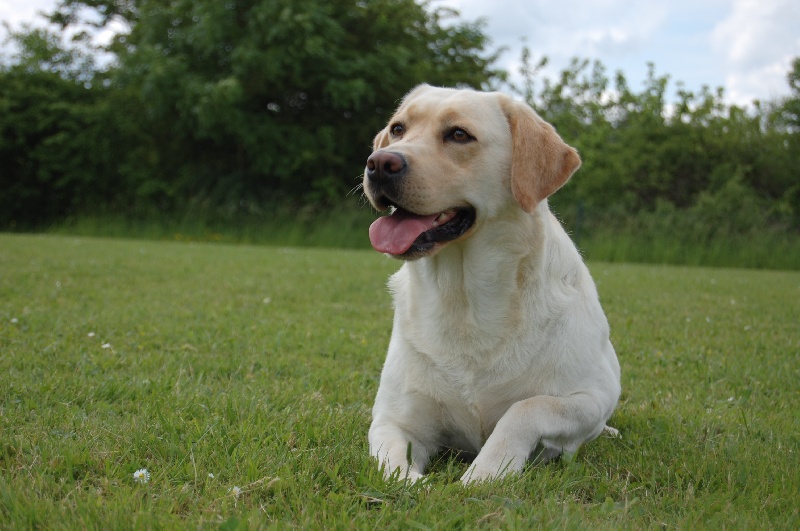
[
  {"x": 362, "y": 200},
  {"x": 357, "y": 188}
]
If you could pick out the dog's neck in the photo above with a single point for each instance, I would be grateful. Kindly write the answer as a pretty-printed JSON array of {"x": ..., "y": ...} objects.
[
  {"x": 492, "y": 254},
  {"x": 503, "y": 258}
]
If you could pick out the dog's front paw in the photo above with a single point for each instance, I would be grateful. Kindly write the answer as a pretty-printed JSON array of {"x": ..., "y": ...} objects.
[
  {"x": 402, "y": 474},
  {"x": 413, "y": 477},
  {"x": 486, "y": 470},
  {"x": 475, "y": 475}
]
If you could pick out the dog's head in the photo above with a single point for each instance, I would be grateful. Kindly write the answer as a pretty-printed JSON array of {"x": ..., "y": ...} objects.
[{"x": 450, "y": 159}]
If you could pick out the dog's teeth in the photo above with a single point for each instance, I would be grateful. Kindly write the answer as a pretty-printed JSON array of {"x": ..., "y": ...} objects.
[{"x": 442, "y": 217}]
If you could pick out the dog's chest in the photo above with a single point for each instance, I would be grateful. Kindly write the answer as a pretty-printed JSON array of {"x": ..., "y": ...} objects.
[
  {"x": 472, "y": 419},
  {"x": 467, "y": 349},
  {"x": 450, "y": 325},
  {"x": 472, "y": 395}
]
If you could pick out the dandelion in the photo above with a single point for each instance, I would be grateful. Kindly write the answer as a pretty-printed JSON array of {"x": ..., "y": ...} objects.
[
  {"x": 235, "y": 491},
  {"x": 141, "y": 476}
]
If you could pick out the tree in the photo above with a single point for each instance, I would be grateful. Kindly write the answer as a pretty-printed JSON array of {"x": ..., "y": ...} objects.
[
  {"x": 254, "y": 101},
  {"x": 791, "y": 105},
  {"x": 641, "y": 153},
  {"x": 53, "y": 139}
]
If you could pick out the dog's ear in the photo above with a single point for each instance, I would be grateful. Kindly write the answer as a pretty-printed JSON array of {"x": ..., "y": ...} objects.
[
  {"x": 381, "y": 139},
  {"x": 540, "y": 162}
]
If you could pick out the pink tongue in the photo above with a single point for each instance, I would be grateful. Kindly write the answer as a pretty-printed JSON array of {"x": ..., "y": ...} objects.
[{"x": 394, "y": 234}]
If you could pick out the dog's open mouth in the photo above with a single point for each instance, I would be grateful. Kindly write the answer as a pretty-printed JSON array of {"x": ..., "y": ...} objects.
[{"x": 407, "y": 235}]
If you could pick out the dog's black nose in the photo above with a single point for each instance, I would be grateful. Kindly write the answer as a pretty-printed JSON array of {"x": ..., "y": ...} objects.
[{"x": 385, "y": 165}]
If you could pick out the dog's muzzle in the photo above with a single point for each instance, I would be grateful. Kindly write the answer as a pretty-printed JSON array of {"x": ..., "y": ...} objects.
[
  {"x": 404, "y": 233},
  {"x": 385, "y": 174}
]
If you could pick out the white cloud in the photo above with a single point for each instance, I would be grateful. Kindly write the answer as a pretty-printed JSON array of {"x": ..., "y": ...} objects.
[
  {"x": 566, "y": 28},
  {"x": 613, "y": 31},
  {"x": 743, "y": 45},
  {"x": 757, "y": 42},
  {"x": 16, "y": 12}
]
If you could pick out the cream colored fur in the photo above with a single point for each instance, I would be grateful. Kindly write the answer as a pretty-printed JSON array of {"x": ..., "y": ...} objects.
[{"x": 499, "y": 343}]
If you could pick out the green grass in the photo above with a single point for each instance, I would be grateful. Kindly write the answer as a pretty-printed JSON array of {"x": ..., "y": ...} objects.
[
  {"x": 259, "y": 365},
  {"x": 342, "y": 227},
  {"x": 649, "y": 239},
  {"x": 763, "y": 248}
]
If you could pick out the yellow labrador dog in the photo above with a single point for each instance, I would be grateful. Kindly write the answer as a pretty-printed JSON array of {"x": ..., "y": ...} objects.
[{"x": 499, "y": 343}]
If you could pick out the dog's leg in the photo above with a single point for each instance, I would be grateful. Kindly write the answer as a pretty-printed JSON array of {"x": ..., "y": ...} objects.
[
  {"x": 561, "y": 423},
  {"x": 397, "y": 450},
  {"x": 612, "y": 432}
]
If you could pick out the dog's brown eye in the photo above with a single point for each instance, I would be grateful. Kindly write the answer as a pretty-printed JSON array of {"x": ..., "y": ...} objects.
[
  {"x": 397, "y": 130},
  {"x": 459, "y": 135}
]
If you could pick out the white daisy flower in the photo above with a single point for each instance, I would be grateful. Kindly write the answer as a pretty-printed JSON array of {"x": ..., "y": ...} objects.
[
  {"x": 90, "y": 334},
  {"x": 235, "y": 491},
  {"x": 105, "y": 345},
  {"x": 141, "y": 476},
  {"x": 211, "y": 475},
  {"x": 14, "y": 320}
]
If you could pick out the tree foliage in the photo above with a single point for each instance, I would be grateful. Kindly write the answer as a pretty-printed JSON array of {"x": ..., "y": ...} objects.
[
  {"x": 240, "y": 103},
  {"x": 642, "y": 153},
  {"x": 233, "y": 106},
  {"x": 255, "y": 99},
  {"x": 54, "y": 152}
]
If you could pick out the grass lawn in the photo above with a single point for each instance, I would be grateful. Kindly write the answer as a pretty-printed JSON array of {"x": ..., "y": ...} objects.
[{"x": 242, "y": 379}]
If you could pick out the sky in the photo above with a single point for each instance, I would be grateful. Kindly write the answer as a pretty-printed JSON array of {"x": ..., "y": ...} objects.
[{"x": 744, "y": 46}]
